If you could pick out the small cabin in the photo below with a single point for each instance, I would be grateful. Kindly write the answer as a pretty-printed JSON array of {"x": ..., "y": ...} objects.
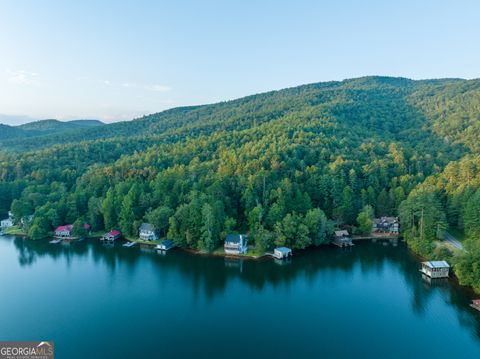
[
  {"x": 147, "y": 232},
  {"x": 342, "y": 239},
  {"x": 165, "y": 245},
  {"x": 112, "y": 236},
  {"x": 235, "y": 244},
  {"x": 64, "y": 231},
  {"x": 387, "y": 225},
  {"x": 282, "y": 252},
  {"x": 6, "y": 223},
  {"x": 435, "y": 269}
]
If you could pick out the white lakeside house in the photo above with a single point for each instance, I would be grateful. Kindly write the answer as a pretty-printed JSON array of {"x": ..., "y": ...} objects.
[
  {"x": 147, "y": 232},
  {"x": 435, "y": 269},
  {"x": 235, "y": 244}
]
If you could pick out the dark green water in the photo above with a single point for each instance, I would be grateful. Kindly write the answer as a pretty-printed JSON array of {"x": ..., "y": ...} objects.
[{"x": 101, "y": 302}]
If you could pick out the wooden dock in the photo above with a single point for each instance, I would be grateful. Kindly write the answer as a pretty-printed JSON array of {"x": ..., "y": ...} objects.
[
  {"x": 476, "y": 304},
  {"x": 343, "y": 245}
]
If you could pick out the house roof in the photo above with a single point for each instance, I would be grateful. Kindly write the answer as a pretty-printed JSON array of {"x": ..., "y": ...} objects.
[
  {"x": 114, "y": 233},
  {"x": 476, "y": 301},
  {"x": 167, "y": 242},
  {"x": 437, "y": 264},
  {"x": 147, "y": 227},
  {"x": 86, "y": 226},
  {"x": 233, "y": 238},
  {"x": 67, "y": 227},
  {"x": 283, "y": 249},
  {"x": 389, "y": 220},
  {"x": 341, "y": 233}
]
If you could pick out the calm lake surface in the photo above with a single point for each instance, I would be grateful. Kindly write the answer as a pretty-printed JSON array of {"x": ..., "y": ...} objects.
[{"x": 96, "y": 301}]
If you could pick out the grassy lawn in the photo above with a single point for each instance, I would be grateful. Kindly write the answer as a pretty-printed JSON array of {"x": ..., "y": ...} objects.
[
  {"x": 457, "y": 233},
  {"x": 96, "y": 234},
  {"x": 251, "y": 252},
  {"x": 139, "y": 241},
  {"x": 15, "y": 230}
]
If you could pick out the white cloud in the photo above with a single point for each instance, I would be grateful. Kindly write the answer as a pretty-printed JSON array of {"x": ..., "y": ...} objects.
[
  {"x": 21, "y": 77},
  {"x": 106, "y": 82}
]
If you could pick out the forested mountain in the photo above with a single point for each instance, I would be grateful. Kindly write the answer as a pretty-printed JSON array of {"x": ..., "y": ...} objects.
[
  {"x": 10, "y": 132},
  {"x": 43, "y": 128},
  {"x": 53, "y": 126},
  {"x": 285, "y": 166}
]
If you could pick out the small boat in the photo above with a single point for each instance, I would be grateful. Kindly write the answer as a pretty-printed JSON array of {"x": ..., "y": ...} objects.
[
  {"x": 2, "y": 233},
  {"x": 129, "y": 244},
  {"x": 55, "y": 241},
  {"x": 475, "y": 304}
]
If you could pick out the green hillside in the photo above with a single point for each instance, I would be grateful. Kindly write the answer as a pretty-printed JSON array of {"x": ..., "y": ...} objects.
[
  {"x": 7, "y": 132},
  {"x": 285, "y": 166},
  {"x": 55, "y": 126},
  {"x": 33, "y": 130}
]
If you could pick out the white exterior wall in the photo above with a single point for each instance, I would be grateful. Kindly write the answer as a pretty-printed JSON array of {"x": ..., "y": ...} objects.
[
  {"x": 6, "y": 223},
  {"x": 236, "y": 248},
  {"x": 435, "y": 272},
  {"x": 148, "y": 235},
  {"x": 63, "y": 233}
]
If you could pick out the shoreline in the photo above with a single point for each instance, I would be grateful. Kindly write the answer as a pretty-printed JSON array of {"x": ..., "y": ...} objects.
[{"x": 219, "y": 253}]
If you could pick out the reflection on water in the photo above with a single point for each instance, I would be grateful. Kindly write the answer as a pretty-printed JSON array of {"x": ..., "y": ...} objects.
[{"x": 209, "y": 277}]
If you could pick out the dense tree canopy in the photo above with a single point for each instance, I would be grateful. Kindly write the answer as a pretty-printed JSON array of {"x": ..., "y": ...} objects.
[{"x": 286, "y": 166}]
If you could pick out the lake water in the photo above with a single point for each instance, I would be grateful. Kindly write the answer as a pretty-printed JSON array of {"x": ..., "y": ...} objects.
[{"x": 95, "y": 301}]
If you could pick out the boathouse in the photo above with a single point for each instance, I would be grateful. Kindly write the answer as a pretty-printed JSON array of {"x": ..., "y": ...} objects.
[
  {"x": 112, "y": 236},
  {"x": 147, "y": 232},
  {"x": 342, "y": 239},
  {"x": 282, "y": 252},
  {"x": 165, "y": 245},
  {"x": 64, "y": 231},
  {"x": 435, "y": 269},
  {"x": 475, "y": 304},
  {"x": 235, "y": 244}
]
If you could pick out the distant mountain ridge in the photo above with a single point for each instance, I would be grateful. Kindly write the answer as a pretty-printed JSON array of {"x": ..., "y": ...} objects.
[
  {"x": 44, "y": 127},
  {"x": 285, "y": 166}
]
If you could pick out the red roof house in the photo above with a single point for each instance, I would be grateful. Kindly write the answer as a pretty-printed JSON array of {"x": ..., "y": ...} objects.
[
  {"x": 64, "y": 231},
  {"x": 112, "y": 235}
]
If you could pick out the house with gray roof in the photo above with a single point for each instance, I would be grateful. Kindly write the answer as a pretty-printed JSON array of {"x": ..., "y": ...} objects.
[
  {"x": 147, "y": 232},
  {"x": 435, "y": 269},
  {"x": 235, "y": 244},
  {"x": 387, "y": 225}
]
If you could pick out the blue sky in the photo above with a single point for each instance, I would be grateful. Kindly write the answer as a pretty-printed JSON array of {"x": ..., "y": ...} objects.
[{"x": 116, "y": 60}]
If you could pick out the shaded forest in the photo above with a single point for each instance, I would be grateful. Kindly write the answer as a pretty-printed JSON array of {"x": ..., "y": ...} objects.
[{"x": 286, "y": 166}]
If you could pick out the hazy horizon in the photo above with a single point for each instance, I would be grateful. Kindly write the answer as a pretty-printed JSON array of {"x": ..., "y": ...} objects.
[
  {"x": 19, "y": 119},
  {"x": 118, "y": 61}
]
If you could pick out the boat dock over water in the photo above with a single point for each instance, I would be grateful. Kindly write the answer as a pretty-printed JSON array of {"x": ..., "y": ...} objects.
[
  {"x": 476, "y": 304},
  {"x": 280, "y": 253}
]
